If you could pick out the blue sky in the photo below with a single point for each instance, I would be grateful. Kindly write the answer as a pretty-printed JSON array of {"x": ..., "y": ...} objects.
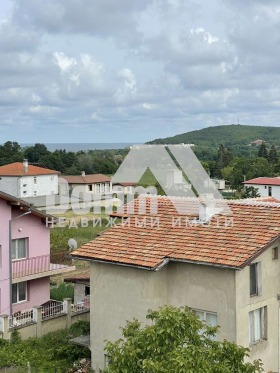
[{"x": 132, "y": 71}]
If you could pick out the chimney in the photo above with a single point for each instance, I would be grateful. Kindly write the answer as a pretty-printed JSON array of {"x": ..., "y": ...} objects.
[
  {"x": 206, "y": 207},
  {"x": 25, "y": 166},
  {"x": 83, "y": 174}
]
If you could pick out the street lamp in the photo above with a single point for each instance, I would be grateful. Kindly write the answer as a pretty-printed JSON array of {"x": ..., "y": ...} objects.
[{"x": 11, "y": 259}]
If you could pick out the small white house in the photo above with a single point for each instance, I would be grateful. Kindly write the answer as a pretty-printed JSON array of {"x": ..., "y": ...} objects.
[
  {"x": 93, "y": 183},
  {"x": 22, "y": 180},
  {"x": 267, "y": 186}
]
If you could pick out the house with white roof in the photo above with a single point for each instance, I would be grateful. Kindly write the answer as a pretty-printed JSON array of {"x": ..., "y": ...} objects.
[{"x": 267, "y": 186}]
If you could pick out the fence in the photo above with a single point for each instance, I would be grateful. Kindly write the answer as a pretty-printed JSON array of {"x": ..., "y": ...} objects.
[
  {"x": 41, "y": 320},
  {"x": 34, "y": 265},
  {"x": 22, "y": 318}
]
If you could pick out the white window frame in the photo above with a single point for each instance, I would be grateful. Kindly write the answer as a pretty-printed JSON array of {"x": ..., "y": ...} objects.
[
  {"x": 258, "y": 325},
  {"x": 204, "y": 317},
  {"x": 16, "y": 248},
  {"x": 257, "y": 280},
  {"x": 16, "y": 286}
]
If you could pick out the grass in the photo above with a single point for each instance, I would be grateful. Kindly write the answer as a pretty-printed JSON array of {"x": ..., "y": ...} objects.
[
  {"x": 147, "y": 179},
  {"x": 50, "y": 353}
]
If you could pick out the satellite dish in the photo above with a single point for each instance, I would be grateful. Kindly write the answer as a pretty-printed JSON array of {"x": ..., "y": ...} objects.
[{"x": 72, "y": 244}]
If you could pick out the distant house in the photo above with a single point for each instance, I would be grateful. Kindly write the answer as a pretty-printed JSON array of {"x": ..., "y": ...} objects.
[
  {"x": 81, "y": 287},
  {"x": 124, "y": 188},
  {"x": 25, "y": 246},
  {"x": 267, "y": 186},
  {"x": 94, "y": 183},
  {"x": 23, "y": 180},
  {"x": 227, "y": 273},
  {"x": 220, "y": 183}
]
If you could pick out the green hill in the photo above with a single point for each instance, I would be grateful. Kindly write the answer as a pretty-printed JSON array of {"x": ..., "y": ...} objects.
[{"x": 234, "y": 135}]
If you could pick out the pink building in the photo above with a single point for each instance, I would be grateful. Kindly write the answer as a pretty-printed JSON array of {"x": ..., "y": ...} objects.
[{"x": 24, "y": 247}]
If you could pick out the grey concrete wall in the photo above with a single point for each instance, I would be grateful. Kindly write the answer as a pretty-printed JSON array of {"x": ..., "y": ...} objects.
[
  {"x": 122, "y": 293},
  {"x": 79, "y": 292},
  {"x": 119, "y": 294},
  {"x": 267, "y": 350},
  {"x": 205, "y": 288}
]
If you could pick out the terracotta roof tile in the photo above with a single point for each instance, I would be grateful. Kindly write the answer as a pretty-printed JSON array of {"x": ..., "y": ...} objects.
[
  {"x": 87, "y": 179},
  {"x": 16, "y": 169},
  {"x": 264, "y": 181},
  {"x": 255, "y": 224}
]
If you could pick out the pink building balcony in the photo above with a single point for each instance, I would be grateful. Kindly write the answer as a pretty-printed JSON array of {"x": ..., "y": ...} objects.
[{"x": 36, "y": 267}]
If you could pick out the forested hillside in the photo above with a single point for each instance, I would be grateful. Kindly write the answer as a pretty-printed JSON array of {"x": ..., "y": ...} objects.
[{"x": 230, "y": 135}]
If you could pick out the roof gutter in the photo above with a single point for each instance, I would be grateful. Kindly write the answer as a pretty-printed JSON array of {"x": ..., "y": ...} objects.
[
  {"x": 205, "y": 264},
  {"x": 153, "y": 269}
]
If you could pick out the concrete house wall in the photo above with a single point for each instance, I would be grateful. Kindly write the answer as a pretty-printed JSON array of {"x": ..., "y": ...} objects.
[
  {"x": 38, "y": 236},
  {"x": 263, "y": 190},
  {"x": 124, "y": 293},
  {"x": 27, "y": 186},
  {"x": 267, "y": 350}
]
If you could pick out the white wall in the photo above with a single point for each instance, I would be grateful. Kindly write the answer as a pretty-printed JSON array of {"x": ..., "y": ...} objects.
[
  {"x": 263, "y": 190},
  {"x": 25, "y": 186}
]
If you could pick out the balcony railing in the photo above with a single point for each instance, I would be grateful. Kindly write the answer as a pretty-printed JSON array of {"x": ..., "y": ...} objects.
[{"x": 35, "y": 265}]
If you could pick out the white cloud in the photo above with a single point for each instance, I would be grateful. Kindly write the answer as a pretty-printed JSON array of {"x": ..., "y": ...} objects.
[{"x": 166, "y": 66}]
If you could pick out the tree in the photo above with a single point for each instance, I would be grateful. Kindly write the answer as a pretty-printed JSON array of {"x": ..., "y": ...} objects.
[
  {"x": 272, "y": 155},
  {"x": 262, "y": 153},
  {"x": 251, "y": 192},
  {"x": 34, "y": 153},
  {"x": 10, "y": 152},
  {"x": 223, "y": 159},
  {"x": 177, "y": 342}
]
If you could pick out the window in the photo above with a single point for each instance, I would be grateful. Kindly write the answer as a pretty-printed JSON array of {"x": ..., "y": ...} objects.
[
  {"x": 97, "y": 188},
  {"x": 19, "y": 249},
  {"x": 209, "y": 317},
  {"x": 35, "y": 180},
  {"x": 258, "y": 325},
  {"x": 90, "y": 188},
  {"x": 19, "y": 293},
  {"x": 275, "y": 253},
  {"x": 270, "y": 191},
  {"x": 255, "y": 279},
  {"x": 35, "y": 193},
  {"x": 87, "y": 290}
]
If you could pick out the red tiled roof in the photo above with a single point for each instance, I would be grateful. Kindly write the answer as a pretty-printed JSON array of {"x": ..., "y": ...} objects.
[
  {"x": 264, "y": 181},
  {"x": 16, "y": 169},
  {"x": 255, "y": 225},
  {"x": 87, "y": 179}
]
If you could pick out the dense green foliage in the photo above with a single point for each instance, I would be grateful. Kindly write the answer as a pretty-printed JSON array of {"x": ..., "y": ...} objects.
[
  {"x": 51, "y": 353},
  {"x": 72, "y": 163},
  {"x": 177, "y": 342},
  {"x": 229, "y": 135},
  {"x": 61, "y": 291}
]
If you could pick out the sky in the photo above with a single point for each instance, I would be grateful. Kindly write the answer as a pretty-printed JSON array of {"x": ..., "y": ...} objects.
[{"x": 132, "y": 71}]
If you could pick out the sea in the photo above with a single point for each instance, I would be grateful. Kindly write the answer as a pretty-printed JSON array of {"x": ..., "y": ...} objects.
[{"x": 75, "y": 147}]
